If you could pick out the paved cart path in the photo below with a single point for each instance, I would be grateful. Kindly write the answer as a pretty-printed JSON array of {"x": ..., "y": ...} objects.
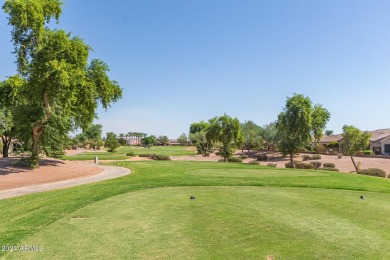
[{"x": 109, "y": 172}]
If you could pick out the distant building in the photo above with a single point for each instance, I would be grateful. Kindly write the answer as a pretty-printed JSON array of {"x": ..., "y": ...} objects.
[{"x": 379, "y": 141}]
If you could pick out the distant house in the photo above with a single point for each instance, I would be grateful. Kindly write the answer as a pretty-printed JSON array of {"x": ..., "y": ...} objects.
[
  {"x": 379, "y": 141},
  {"x": 174, "y": 142}
]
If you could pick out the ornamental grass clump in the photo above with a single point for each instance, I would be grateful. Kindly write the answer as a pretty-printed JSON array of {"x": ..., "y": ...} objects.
[
  {"x": 373, "y": 172},
  {"x": 316, "y": 164},
  {"x": 235, "y": 159},
  {"x": 301, "y": 165},
  {"x": 254, "y": 162},
  {"x": 329, "y": 165},
  {"x": 162, "y": 158}
]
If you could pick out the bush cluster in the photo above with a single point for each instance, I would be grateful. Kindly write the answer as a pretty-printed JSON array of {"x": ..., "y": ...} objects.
[
  {"x": 162, "y": 158},
  {"x": 316, "y": 164},
  {"x": 373, "y": 172},
  {"x": 152, "y": 156},
  {"x": 367, "y": 152},
  {"x": 130, "y": 154},
  {"x": 307, "y": 157},
  {"x": 289, "y": 165},
  {"x": 301, "y": 165},
  {"x": 221, "y": 160},
  {"x": 329, "y": 165},
  {"x": 244, "y": 156},
  {"x": 235, "y": 159},
  {"x": 254, "y": 162},
  {"x": 262, "y": 157},
  {"x": 315, "y": 157},
  {"x": 271, "y": 165},
  {"x": 319, "y": 148}
]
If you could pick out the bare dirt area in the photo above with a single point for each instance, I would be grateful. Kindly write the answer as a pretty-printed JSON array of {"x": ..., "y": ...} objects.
[{"x": 50, "y": 170}]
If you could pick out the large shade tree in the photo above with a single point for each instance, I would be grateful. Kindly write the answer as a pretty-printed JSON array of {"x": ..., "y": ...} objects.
[
  {"x": 61, "y": 90},
  {"x": 227, "y": 131},
  {"x": 298, "y": 122},
  {"x": 252, "y": 134},
  {"x": 355, "y": 141}
]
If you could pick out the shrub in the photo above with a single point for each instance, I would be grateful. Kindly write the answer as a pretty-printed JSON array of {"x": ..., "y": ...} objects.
[
  {"x": 130, "y": 154},
  {"x": 235, "y": 159},
  {"x": 316, "y": 164},
  {"x": 254, "y": 162},
  {"x": 367, "y": 152},
  {"x": 333, "y": 144},
  {"x": 319, "y": 148},
  {"x": 162, "y": 158},
  {"x": 289, "y": 165},
  {"x": 262, "y": 157},
  {"x": 148, "y": 155},
  {"x": 306, "y": 157},
  {"x": 217, "y": 153},
  {"x": 329, "y": 169},
  {"x": 339, "y": 155},
  {"x": 329, "y": 165},
  {"x": 315, "y": 157},
  {"x": 272, "y": 165},
  {"x": 373, "y": 172},
  {"x": 221, "y": 160},
  {"x": 302, "y": 165},
  {"x": 244, "y": 156}
]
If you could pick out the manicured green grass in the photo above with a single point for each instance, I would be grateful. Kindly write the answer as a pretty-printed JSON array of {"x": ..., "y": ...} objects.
[
  {"x": 266, "y": 211},
  {"x": 120, "y": 153},
  {"x": 161, "y": 150}
]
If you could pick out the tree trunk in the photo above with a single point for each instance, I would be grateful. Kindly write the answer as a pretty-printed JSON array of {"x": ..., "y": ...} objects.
[
  {"x": 354, "y": 164},
  {"x": 37, "y": 132},
  {"x": 292, "y": 160},
  {"x": 6, "y": 144}
]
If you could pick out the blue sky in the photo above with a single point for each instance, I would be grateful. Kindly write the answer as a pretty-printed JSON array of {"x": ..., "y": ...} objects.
[{"x": 180, "y": 62}]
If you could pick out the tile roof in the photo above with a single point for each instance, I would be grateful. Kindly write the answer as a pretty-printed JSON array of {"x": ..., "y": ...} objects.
[
  {"x": 380, "y": 134},
  {"x": 331, "y": 138}
]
